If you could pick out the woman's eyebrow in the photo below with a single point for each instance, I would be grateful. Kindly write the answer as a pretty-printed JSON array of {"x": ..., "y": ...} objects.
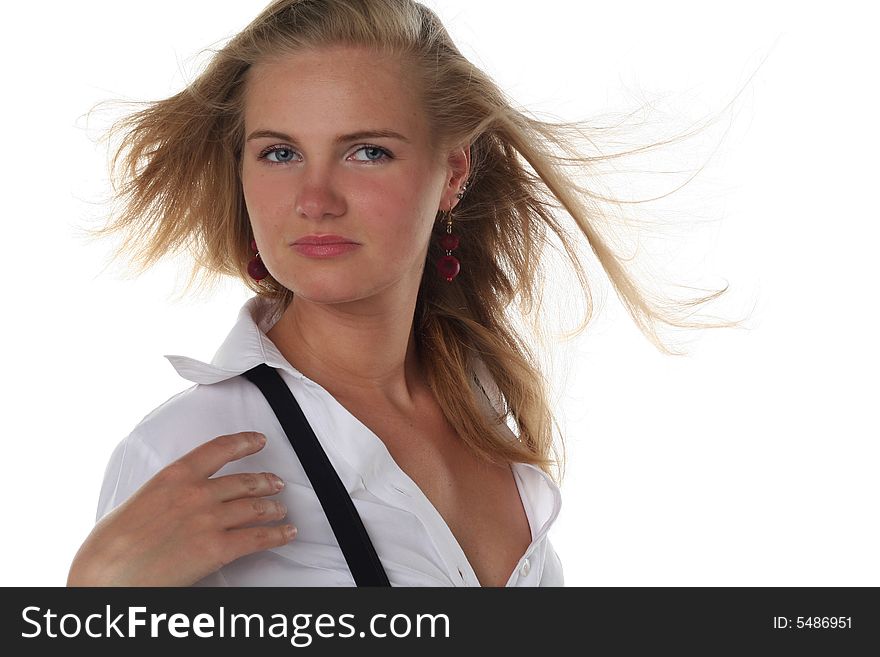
[{"x": 353, "y": 136}]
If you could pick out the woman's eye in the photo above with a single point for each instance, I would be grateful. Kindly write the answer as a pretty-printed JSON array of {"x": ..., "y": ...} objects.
[
  {"x": 374, "y": 153},
  {"x": 281, "y": 151}
]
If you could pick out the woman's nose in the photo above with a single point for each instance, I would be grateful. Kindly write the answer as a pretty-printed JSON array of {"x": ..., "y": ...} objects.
[{"x": 318, "y": 197}]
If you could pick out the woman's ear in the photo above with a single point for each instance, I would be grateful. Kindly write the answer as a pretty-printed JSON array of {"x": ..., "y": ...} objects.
[{"x": 459, "y": 168}]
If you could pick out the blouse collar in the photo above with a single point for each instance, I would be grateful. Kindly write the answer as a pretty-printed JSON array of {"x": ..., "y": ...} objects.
[{"x": 245, "y": 347}]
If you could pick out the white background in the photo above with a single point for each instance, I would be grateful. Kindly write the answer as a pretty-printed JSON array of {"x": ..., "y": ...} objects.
[{"x": 752, "y": 461}]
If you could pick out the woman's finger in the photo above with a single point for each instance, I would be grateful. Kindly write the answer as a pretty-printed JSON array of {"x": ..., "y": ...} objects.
[
  {"x": 239, "y": 513},
  {"x": 239, "y": 542},
  {"x": 206, "y": 459},
  {"x": 244, "y": 484}
]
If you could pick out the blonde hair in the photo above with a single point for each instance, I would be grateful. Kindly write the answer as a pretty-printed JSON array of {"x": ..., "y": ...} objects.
[{"x": 176, "y": 177}]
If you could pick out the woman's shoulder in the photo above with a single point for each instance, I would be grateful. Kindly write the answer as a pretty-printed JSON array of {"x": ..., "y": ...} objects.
[
  {"x": 178, "y": 425},
  {"x": 194, "y": 416}
]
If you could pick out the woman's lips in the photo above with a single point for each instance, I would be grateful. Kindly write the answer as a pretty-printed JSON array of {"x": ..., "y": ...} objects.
[
  {"x": 324, "y": 246},
  {"x": 329, "y": 238}
]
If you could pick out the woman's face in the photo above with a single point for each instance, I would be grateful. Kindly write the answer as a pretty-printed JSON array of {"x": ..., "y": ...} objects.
[{"x": 327, "y": 171}]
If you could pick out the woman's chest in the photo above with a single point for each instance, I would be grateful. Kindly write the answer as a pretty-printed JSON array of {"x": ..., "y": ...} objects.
[{"x": 479, "y": 501}]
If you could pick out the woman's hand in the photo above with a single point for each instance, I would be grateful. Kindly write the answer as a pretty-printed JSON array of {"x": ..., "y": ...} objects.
[{"x": 181, "y": 525}]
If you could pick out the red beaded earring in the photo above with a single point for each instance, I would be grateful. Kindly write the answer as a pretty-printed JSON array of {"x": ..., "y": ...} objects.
[
  {"x": 448, "y": 265},
  {"x": 256, "y": 269}
]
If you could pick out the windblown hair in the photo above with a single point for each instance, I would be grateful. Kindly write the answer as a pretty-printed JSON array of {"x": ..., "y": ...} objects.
[{"x": 176, "y": 175}]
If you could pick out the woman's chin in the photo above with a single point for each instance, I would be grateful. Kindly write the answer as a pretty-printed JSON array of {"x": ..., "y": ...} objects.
[
  {"x": 347, "y": 284},
  {"x": 330, "y": 291}
]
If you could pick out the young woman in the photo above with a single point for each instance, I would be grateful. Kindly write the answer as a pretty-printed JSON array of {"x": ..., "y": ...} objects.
[{"x": 386, "y": 204}]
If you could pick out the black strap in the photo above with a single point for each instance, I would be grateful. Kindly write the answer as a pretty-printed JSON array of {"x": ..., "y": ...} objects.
[{"x": 344, "y": 519}]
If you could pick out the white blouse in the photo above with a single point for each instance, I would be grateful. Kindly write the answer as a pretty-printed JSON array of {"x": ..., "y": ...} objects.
[{"x": 413, "y": 542}]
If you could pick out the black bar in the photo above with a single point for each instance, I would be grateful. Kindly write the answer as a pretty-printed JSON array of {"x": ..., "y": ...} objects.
[{"x": 526, "y": 621}]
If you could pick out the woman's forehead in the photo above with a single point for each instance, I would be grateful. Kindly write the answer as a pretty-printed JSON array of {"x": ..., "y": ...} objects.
[
  {"x": 348, "y": 66},
  {"x": 346, "y": 86}
]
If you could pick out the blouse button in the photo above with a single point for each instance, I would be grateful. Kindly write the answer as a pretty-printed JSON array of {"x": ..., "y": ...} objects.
[{"x": 524, "y": 569}]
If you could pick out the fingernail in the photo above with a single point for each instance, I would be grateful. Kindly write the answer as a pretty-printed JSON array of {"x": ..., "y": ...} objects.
[
  {"x": 279, "y": 482},
  {"x": 260, "y": 439},
  {"x": 290, "y": 530}
]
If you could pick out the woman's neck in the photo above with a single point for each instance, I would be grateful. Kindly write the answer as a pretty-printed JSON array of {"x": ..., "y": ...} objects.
[{"x": 369, "y": 357}]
